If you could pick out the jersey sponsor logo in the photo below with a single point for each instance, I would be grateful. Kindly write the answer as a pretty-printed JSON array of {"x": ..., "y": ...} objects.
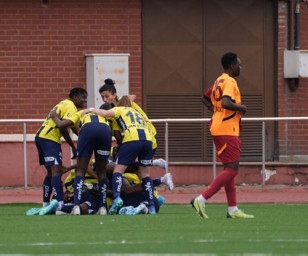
[{"x": 135, "y": 126}]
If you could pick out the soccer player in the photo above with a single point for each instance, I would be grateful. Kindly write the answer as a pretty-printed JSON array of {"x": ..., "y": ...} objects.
[
  {"x": 48, "y": 143},
  {"x": 134, "y": 201},
  {"x": 137, "y": 143},
  {"x": 225, "y": 129},
  {"x": 95, "y": 135},
  {"x": 108, "y": 93},
  {"x": 134, "y": 168}
]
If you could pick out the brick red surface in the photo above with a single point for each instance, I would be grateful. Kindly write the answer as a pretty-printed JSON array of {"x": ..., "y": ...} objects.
[
  {"x": 43, "y": 50},
  {"x": 183, "y": 195}
]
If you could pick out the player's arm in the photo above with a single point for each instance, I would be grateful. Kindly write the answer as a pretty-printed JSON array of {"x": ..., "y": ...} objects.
[
  {"x": 118, "y": 136},
  {"x": 100, "y": 112},
  {"x": 206, "y": 99},
  {"x": 208, "y": 103},
  {"x": 229, "y": 104},
  {"x": 76, "y": 130},
  {"x": 61, "y": 124},
  {"x": 67, "y": 169},
  {"x": 69, "y": 141},
  {"x": 128, "y": 188}
]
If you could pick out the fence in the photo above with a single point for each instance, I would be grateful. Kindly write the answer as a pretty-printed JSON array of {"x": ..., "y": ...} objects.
[{"x": 166, "y": 121}]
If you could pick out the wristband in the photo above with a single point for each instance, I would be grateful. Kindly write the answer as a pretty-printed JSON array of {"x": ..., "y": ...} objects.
[{"x": 91, "y": 109}]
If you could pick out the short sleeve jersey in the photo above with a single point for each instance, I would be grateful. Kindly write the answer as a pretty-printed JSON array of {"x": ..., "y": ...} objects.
[
  {"x": 113, "y": 125},
  {"x": 77, "y": 119},
  {"x": 224, "y": 121},
  {"x": 132, "y": 124},
  {"x": 149, "y": 125},
  {"x": 49, "y": 129},
  {"x": 69, "y": 180}
]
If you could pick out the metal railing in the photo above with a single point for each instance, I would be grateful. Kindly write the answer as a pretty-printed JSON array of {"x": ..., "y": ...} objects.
[
  {"x": 250, "y": 119},
  {"x": 166, "y": 121}
]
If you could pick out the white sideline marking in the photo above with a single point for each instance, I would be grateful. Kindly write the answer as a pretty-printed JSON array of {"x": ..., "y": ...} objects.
[
  {"x": 158, "y": 254},
  {"x": 145, "y": 242}
]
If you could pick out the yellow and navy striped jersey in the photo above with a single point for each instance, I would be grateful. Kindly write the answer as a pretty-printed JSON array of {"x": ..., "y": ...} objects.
[
  {"x": 134, "y": 179},
  {"x": 79, "y": 120},
  {"x": 49, "y": 129},
  {"x": 69, "y": 181},
  {"x": 113, "y": 125},
  {"x": 148, "y": 123},
  {"x": 132, "y": 124}
]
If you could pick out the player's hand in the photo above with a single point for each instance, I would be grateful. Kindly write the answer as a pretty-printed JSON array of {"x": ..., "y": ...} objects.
[
  {"x": 243, "y": 111},
  {"x": 86, "y": 111},
  {"x": 54, "y": 114},
  {"x": 132, "y": 97}
]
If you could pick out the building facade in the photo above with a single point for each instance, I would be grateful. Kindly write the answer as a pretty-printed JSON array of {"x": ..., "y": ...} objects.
[{"x": 174, "y": 51}]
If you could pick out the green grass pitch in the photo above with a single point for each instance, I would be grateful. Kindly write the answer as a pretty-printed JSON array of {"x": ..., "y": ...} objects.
[{"x": 278, "y": 229}]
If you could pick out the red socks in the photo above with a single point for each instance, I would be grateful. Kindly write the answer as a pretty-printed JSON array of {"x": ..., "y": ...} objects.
[{"x": 226, "y": 179}]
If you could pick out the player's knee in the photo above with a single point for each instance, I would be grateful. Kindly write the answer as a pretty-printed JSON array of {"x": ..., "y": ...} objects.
[{"x": 231, "y": 171}]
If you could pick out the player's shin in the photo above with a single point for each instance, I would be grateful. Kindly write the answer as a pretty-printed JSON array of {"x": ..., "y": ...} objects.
[
  {"x": 147, "y": 186},
  {"x": 103, "y": 193},
  {"x": 78, "y": 186}
]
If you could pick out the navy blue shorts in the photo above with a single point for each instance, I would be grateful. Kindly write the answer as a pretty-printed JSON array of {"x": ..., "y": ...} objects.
[
  {"x": 50, "y": 152},
  {"x": 132, "y": 150},
  {"x": 94, "y": 137}
]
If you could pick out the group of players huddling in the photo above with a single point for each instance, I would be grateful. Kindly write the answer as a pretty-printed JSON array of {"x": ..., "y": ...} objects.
[{"x": 106, "y": 179}]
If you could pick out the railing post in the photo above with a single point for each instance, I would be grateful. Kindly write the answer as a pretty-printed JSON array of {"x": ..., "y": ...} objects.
[
  {"x": 25, "y": 156},
  {"x": 214, "y": 161},
  {"x": 263, "y": 152},
  {"x": 166, "y": 147}
]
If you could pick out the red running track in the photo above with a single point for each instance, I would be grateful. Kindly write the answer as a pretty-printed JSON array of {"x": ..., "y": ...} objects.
[{"x": 183, "y": 195}]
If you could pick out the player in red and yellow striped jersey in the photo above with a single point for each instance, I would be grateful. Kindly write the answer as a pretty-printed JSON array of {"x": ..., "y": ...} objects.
[
  {"x": 225, "y": 129},
  {"x": 48, "y": 143}
]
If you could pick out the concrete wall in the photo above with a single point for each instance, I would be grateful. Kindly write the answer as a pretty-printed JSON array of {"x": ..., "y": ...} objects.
[{"x": 12, "y": 169}]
